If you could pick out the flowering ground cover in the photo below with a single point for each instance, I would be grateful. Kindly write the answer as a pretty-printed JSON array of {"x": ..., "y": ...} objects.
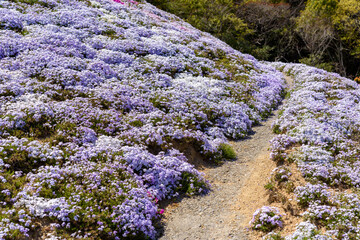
[
  {"x": 318, "y": 131},
  {"x": 266, "y": 219},
  {"x": 95, "y": 98}
]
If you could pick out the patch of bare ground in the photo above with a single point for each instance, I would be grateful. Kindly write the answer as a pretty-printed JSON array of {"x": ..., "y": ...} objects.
[
  {"x": 282, "y": 197},
  {"x": 254, "y": 195},
  {"x": 43, "y": 230}
]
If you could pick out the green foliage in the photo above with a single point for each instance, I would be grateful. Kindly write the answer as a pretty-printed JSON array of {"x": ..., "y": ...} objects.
[
  {"x": 19, "y": 160},
  {"x": 32, "y": 2},
  {"x": 315, "y": 60},
  {"x": 321, "y": 33},
  {"x": 227, "y": 151},
  {"x": 322, "y": 7},
  {"x": 290, "y": 187},
  {"x": 269, "y": 186},
  {"x": 276, "y": 129},
  {"x": 263, "y": 52},
  {"x": 136, "y": 123},
  {"x": 190, "y": 184},
  {"x": 330, "y": 29},
  {"x": 13, "y": 184},
  {"x": 346, "y": 21}
]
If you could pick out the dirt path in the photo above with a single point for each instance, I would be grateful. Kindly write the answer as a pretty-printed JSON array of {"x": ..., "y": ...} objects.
[{"x": 237, "y": 191}]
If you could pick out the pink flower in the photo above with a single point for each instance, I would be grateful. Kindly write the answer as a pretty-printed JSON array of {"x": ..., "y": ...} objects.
[
  {"x": 161, "y": 211},
  {"x": 118, "y": 1}
]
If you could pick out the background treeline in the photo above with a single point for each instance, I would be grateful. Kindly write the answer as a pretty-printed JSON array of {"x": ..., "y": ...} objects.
[{"x": 321, "y": 33}]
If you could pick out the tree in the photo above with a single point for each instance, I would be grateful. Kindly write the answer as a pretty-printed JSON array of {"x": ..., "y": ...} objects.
[
  {"x": 322, "y": 33},
  {"x": 347, "y": 23},
  {"x": 274, "y": 35},
  {"x": 330, "y": 29},
  {"x": 315, "y": 27}
]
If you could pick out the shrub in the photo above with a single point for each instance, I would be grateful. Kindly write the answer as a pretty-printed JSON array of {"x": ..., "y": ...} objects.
[
  {"x": 281, "y": 174},
  {"x": 311, "y": 193},
  {"x": 266, "y": 219},
  {"x": 227, "y": 151}
]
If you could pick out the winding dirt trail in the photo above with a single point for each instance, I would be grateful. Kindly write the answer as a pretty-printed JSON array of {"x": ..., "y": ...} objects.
[{"x": 237, "y": 191}]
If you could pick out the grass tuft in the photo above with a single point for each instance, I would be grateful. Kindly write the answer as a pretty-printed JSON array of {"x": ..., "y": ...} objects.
[{"x": 227, "y": 151}]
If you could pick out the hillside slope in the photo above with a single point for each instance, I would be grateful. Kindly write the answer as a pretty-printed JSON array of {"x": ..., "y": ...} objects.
[
  {"x": 96, "y": 100},
  {"x": 317, "y": 152}
]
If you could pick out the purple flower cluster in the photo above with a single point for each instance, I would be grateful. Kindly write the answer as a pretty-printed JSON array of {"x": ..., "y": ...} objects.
[
  {"x": 280, "y": 174},
  {"x": 96, "y": 100},
  {"x": 319, "y": 125},
  {"x": 278, "y": 146},
  {"x": 312, "y": 194},
  {"x": 341, "y": 217},
  {"x": 306, "y": 230},
  {"x": 266, "y": 219}
]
